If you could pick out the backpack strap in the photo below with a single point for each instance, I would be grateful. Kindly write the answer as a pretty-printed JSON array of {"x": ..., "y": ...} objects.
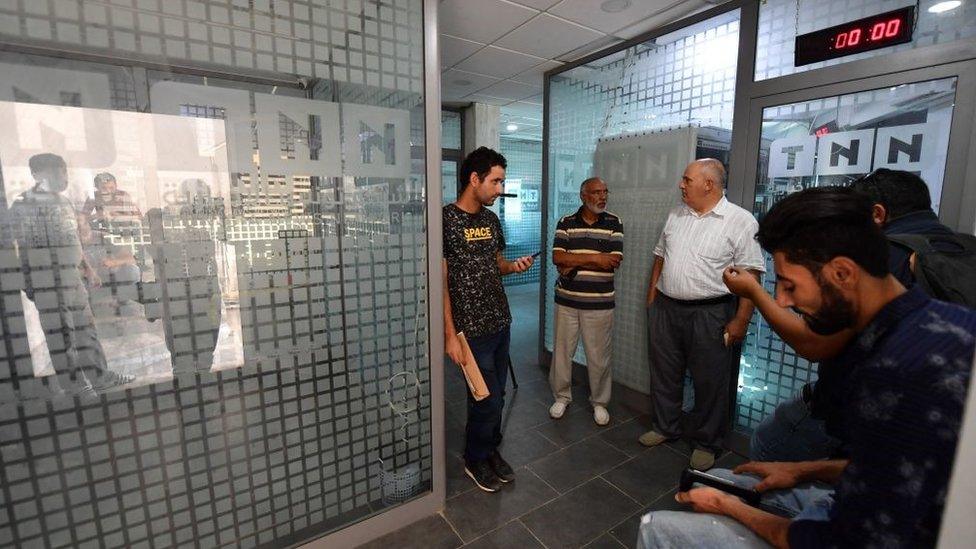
[{"x": 916, "y": 243}]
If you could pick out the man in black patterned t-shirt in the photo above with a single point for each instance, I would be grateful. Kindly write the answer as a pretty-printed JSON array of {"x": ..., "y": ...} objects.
[{"x": 475, "y": 305}]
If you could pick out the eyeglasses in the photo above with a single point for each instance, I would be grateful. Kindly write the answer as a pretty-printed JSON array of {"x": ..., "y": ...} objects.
[{"x": 599, "y": 193}]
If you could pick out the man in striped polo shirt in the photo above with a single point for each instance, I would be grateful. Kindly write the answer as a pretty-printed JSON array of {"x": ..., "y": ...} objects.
[{"x": 588, "y": 248}]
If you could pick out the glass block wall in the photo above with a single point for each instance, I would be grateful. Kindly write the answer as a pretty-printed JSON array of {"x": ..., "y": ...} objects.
[
  {"x": 522, "y": 216},
  {"x": 636, "y": 118},
  {"x": 214, "y": 300},
  {"x": 780, "y": 21}
]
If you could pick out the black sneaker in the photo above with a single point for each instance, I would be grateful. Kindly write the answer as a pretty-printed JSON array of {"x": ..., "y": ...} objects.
[
  {"x": 501, "y": 469},
  {"x": 482, "y": 475}
]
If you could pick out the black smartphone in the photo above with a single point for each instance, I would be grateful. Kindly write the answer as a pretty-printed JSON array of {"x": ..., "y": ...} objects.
[
  {"x": 690, "y": 476},
  {"x": 537, "y": 254}
]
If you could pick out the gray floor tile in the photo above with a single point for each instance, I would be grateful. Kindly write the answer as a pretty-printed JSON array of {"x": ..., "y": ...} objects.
[
  {"x": 576, "y": 464},
  {"x": 606, "y": 541},
  {"x": 522, "y": 413},
  {"x": 457, "y": 481},
  {"x": 573, "y": 427},
  {"x": 454, "y": 440},
  {"x": 624, "y": 436},
  {"x": 475, "y": 512},
  {"x": 523, "y": 447},
  {"x": 580, "y": 516},
  {"x": 537, "y": 389},
  {"x": 511, "y": 536},
  {"x": 648, "y": 475},
  {"x": 430, "y": 533}
]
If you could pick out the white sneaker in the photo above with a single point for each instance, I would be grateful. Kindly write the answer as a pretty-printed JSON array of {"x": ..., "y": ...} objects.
[
  {"x": 600, "y": 415},
  {"x": 557, "y": 410}
]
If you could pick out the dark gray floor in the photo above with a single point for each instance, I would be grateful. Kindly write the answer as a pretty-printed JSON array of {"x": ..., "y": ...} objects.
[{"x": 577, "y": 484}]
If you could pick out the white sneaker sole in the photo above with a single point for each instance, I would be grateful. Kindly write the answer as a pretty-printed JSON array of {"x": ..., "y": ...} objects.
[{"x": 478, "y": 484}]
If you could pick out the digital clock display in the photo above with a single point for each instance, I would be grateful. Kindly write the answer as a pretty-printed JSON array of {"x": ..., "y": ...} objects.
[{"x": 870, "y": 33}]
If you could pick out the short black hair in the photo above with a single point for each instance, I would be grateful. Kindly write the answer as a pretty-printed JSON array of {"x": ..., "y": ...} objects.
[
  {"x": 480, "y": 161},
  {"x": 900, "y": 192},
  {"x": 816, "y": 225},
  {"x": 45, "y": 161}
]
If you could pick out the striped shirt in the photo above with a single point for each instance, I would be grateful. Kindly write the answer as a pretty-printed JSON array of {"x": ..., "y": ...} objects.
[
  {"x": 697, "y": 248},
  {"x": 588, "y": 288}
]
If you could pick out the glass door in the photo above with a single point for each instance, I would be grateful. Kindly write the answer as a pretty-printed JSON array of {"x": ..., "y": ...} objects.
[{"x": 916, "y": 121}]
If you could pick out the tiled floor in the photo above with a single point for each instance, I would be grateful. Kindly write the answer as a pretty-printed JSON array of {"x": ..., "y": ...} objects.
[{"x": 577, "y": 484}]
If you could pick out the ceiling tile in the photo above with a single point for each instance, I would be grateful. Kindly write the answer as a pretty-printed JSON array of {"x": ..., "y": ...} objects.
[
  {"x": 591, "y": 14},
  {"x": 534, "y": 100},
  {"x": 488, "y": 100},
  {"x": 541, "y": 5},
  {"x": 481, "y": 20},
  {"x": 498, "y": 62},
  {"x": 548, "y": 36},
  {"x": 534, "y": 75},
  {"x": 456, "y": 84},
  {"x": 455, "y": 49},
  {"x": 663, "y": 18},
  {"x": 593, "y": 47},
  {"x": 537, "y": 4},
  {"x": 507, "y": 89}
]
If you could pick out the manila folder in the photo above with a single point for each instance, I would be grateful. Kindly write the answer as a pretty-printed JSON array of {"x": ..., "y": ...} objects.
[{"x": 476, "y": 383}]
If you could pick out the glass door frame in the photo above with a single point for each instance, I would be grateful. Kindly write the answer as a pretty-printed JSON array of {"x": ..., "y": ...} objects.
[
  {"x": 958, "y": 208},
  {"x": 957, "y": 202}
]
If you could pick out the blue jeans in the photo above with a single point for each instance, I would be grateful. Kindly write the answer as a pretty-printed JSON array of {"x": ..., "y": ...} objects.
[
  {"x": 792, "y": 434},
  {"x": 484, "y": 428},
  {"x": 809, "y": 501}
]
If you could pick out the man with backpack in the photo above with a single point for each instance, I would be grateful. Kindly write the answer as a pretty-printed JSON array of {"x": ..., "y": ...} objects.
[{"x": 923, "y": 252}]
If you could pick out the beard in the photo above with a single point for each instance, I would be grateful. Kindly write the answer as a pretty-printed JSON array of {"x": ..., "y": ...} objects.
[
  {"x": 595, "y": 209},
  {"x": 834, "y": 315}
]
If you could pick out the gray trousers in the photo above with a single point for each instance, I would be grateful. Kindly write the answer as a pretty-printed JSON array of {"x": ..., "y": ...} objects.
[
  {"x": 690, "y": 336},
  {"x": 596, "y": 328}
]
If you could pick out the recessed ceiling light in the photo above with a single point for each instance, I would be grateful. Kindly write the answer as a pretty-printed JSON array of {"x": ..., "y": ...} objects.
[
  {"x": 945, "y": 6},
  {"x": 615, "y": 6},
  {"x": 462, "y": 82},
  {"x": 512, "y": 127}
]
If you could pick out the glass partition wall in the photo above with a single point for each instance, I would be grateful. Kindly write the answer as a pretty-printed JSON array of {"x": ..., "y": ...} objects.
[
  {"x": 723, "y": 84},
  {"x": 635, "y": 118},
  {"x": 213, "y": 270}
]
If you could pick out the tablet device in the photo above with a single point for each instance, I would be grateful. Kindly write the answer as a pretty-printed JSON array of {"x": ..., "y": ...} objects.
[{"x": 690, "y": 477}]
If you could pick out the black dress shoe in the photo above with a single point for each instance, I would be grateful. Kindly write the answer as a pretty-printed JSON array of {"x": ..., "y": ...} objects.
[
  {"x": 502, "y": 469},
  {"x": 483, "y": 476}
]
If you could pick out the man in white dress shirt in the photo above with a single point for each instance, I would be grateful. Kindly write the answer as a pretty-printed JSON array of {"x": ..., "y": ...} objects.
[{"x": 693, "y": 320}]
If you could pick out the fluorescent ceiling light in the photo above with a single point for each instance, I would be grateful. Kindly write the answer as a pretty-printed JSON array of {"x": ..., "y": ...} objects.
[{"x": 945, "y": 6}]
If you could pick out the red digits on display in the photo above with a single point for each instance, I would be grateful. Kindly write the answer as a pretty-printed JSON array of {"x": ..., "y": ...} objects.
[
  {"x": 892, "y": 28},
  {"x": 878, "y": 31}
]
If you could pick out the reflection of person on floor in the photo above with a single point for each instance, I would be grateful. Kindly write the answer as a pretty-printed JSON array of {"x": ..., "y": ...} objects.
[
  {"x": 588, "y": 248},
  {"x": 184, "y": 256},
  {"x": 55, "y": 271},
  {"x": 909, "y": 366},
  {"x": 111, "y": 206},
  {"x": 695, "y": 324},
  {"x": 475, "y": 304}
]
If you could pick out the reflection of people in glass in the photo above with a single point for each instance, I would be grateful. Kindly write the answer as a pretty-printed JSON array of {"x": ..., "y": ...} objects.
[
  {"x": 186, "y": 270},
  {"x": 55, "y": 270},
  {"x": 110, "y": 205},
  {"x": 115, "y": 273}
]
